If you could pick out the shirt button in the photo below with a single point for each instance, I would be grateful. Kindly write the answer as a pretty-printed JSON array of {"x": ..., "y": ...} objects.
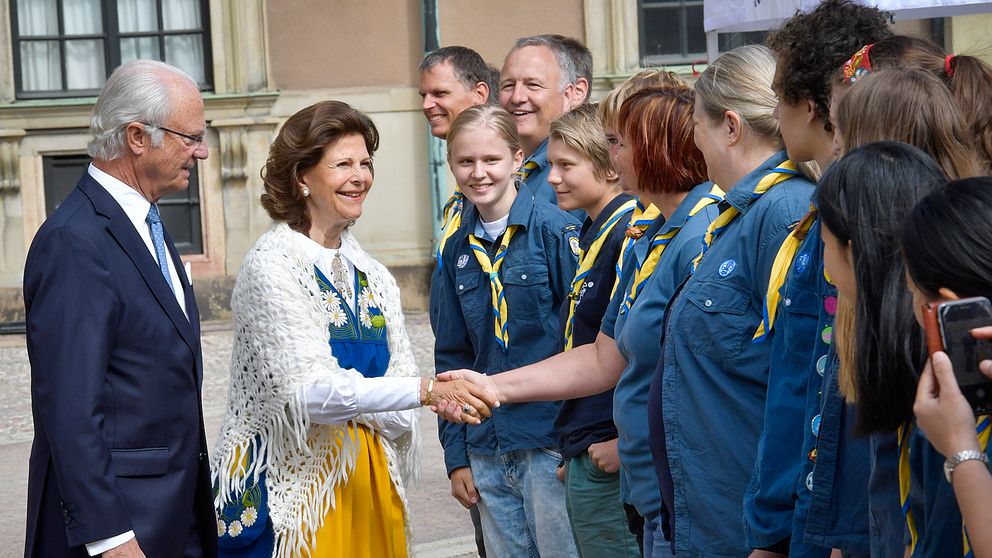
[
  {"x": 787, "y": 302},
  {"x": 523, "y": 275},
  {"x": 708, "y": 303},
  {"x": 461, "y": 287}
]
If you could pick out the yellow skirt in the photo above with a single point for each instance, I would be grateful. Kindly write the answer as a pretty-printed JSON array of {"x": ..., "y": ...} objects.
[{"x": 367, "y": 520}]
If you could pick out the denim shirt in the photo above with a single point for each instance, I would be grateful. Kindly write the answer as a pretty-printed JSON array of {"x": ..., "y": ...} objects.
[
  {"x": 935, "y": 508},
  {"x": 589, "y": 420},
  {"x": 803, "y": 326},
  {"x": 637, "y": 332},
  {"x": 714, "y": 378},
  {"x": 832, "y": 505},
  {"x": 536, "y": 274}
]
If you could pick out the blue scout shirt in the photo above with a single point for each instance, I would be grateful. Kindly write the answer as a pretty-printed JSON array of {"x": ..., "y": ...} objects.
[
  {"x": 589, "y": 420},
  {"x": 832, "y": 493},
  {"x": 536, "y": 274},
  {"x": 935, "y": 509},
  {"x": 637, "y": 332},
  {"x": 714, "y": 379},
  {"x": 537, "y": 181},
  {"x": 804, "y": 334}
]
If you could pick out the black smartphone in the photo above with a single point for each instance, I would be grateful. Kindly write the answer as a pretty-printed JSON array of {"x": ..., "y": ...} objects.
[{"x": 956, "y": 319}]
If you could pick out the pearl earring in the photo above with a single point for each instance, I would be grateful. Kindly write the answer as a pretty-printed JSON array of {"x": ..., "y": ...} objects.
[{"x": 306, "y": 192}]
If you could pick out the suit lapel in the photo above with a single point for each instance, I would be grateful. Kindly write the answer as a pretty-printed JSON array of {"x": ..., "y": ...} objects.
[{"x": 122, "y": 230}]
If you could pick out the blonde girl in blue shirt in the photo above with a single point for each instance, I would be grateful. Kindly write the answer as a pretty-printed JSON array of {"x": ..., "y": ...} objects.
[{"x": 503, "y": 278}]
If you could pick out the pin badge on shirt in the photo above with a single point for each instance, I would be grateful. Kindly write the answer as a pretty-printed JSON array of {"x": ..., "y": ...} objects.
[
  {"x": 462, "y": 261},
  {"x": 727, "y": 267},
  {"x": 802, "y": 262}
]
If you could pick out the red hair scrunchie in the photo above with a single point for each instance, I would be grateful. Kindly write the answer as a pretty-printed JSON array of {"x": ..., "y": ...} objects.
[{"x": 947, "y": 65}]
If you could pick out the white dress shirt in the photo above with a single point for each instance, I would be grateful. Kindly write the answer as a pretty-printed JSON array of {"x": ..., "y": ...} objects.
[
  {"x": 136, "y": 207},
  {"x": 343, "y": 397}
]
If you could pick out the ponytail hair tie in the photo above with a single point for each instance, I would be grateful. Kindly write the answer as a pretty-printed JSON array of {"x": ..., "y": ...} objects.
[
  {"x": 857, "y": 66},
  {"x": 947, "y": 65}
]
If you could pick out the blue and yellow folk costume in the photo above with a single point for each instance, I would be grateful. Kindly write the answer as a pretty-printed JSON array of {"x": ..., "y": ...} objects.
[
  {"x": 634, "y": 320},
  {"x": 535, "y": 275},
  {"x": 367, "y": 520},
  {"x": 714, "y": 380},
  {"x": 801, "y": 305}
]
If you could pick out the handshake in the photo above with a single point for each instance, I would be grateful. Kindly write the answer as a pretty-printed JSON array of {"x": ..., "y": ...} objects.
[{"x": 462, "y": 396}]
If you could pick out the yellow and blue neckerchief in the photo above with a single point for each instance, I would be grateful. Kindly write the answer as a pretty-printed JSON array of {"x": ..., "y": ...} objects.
[
  {"x": 451, "y": 220},
  {"x": 780, "y": 269},
  {"x": 491, "y": 268},
  {"x": 658, "y": 245},
  {"x": 982, "y": 430},
  {"x": 640, "y": 220},
  {"x": 780, "y": 173},
  {"x": 587, "y": 259}
]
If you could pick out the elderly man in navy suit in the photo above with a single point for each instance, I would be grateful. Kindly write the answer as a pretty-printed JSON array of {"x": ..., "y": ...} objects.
[{"x": 118, "y": 465}]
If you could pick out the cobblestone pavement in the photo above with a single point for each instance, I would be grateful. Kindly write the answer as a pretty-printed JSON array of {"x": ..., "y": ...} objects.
[{"x": 442, "y": 529}]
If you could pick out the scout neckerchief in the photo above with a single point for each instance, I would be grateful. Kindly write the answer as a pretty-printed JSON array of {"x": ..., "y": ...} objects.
[
  {"x": 658, "y": 245},
  {"x": 640, "y": 220},
  {"x": 780, "y": 173},
  {"x": 587, "y": 259},
  {"x": 780, "y": 269},
  {"x": 451, "y": 220},
  {"x": 500, "y": 314},
  {"x": 982, "y": 430}
]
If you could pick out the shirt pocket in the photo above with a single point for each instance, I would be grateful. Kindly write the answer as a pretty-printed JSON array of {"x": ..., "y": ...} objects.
[
  {"x": 802, "y": 314},
  {"x": 721, "y": 322},
  {"x": 528, "y": 300},
  {"x": 475, "y": 302}
]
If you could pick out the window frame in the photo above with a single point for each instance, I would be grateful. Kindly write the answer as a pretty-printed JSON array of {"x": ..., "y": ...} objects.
[
  {"x": 111, "y": 38},
  {"x": 684, "y": 56}
]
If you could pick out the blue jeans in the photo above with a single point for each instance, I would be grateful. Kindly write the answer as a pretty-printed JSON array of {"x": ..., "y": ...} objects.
[
  {"x": 522, "y": 504},
  {"x": 655, "y": 545}
]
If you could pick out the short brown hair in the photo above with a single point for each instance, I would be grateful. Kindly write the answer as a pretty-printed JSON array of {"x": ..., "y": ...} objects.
[
  {"x": 657, "y": 123},
  {"x": 299, "y": 147},
  {"x": 581, "y": 130}
]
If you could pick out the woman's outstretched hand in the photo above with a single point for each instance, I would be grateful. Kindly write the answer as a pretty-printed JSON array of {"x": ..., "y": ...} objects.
[{"x": 456, "y": 407}]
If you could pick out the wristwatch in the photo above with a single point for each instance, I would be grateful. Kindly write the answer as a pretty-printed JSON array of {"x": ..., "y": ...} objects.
[{"x": 960, "y": 457}]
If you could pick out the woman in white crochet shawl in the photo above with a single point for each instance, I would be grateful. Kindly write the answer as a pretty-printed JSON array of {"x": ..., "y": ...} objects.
[{"x": 320, "y": 434}]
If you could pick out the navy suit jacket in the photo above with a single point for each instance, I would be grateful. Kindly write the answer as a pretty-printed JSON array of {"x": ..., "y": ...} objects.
[{"x": 116, "y": 372}]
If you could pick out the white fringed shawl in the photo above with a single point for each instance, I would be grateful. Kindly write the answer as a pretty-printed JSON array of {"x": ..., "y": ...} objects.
[{"x": 280, "y": 345}]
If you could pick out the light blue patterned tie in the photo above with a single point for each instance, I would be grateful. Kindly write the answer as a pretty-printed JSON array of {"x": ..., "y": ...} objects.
[{"x": 158, "y": 240}]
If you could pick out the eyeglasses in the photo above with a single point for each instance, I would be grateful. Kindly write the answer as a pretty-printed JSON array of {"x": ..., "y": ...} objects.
[{"x": 191, "y": 141}]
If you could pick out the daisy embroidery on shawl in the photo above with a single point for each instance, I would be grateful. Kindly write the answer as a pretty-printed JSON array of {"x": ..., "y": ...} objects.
[{"x": 248, "y": 516}]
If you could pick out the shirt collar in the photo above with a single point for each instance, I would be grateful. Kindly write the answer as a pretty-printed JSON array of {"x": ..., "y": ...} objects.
[
  {"x": 590, "y": 228},
  {"x": 540, "y": 155},
  {"x": 681, "y": 214},
  {"x": 520, "y": 212},
  {"x": 313, "y": 250},
  {"x": 134, "y": 204},
  {"x": 740, "y": 196}
]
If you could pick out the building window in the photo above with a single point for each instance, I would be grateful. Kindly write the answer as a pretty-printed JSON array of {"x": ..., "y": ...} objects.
[
  {"x": 671, "y": 32},
  {"x": 180, "y": 210},
  {"x": 68, "y": 48}
]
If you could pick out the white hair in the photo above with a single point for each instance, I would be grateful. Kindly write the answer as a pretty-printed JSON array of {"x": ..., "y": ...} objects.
[{"x": 138, "y": 91}]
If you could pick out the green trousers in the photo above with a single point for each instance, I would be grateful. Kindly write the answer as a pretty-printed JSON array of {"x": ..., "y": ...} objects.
[{"x": 599, "y": 523}]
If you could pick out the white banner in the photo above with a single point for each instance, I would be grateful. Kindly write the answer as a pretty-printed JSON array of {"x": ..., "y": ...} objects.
[{"x": 727, "y": 16}]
